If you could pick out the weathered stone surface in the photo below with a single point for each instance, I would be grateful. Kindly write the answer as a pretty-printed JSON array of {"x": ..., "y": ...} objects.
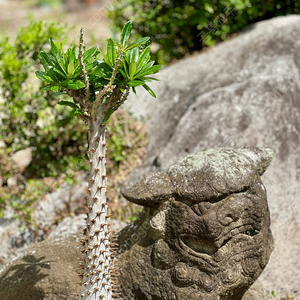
[
  {"x": 205, "y": 233},
  {"x": 36, "y": 273},
  {"x": 244, "y": 92},
  {"x": 257, "y": 292},
  {"x": 45, "y": 271}
]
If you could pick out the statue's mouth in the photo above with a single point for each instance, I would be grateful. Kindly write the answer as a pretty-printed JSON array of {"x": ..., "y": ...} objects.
[{"x": 197, "y": 246}]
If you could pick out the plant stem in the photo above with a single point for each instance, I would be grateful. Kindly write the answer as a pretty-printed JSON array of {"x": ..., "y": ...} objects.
[{"x": 97, "y": 254}]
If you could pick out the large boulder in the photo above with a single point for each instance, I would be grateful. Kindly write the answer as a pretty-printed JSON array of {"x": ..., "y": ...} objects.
[{"x": 241, "y": 93}]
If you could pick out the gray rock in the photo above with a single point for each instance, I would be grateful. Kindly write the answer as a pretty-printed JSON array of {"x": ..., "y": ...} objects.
[
  {"x": 257, "y": 292},
  {"x": 45, "y": 271},
  {"x": 13, "y": 239},
  {"x": 46, "y": 210},
  {"x": 241, "y": 93},
  {"x": 205, "y": 233},
  {"x": 16, "y": 237},
  {"x": 69, "y": 226}
]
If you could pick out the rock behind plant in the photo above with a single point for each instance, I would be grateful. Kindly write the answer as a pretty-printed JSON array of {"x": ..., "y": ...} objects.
[{"x": 244, "y": 92}]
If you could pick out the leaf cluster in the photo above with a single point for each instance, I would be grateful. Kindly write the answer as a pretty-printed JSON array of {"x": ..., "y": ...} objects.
[{"x": 124, "y": 65}]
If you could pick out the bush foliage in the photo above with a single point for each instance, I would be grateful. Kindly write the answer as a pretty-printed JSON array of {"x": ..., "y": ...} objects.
[
  {"x": 181, "y": 27},
  {"x": 27, "y": 120}
]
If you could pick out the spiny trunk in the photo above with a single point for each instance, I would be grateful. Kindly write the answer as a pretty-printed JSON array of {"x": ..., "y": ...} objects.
[{"x": 98, "y": 260}]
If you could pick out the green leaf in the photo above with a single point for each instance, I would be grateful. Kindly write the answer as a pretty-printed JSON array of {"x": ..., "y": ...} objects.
[
  {"x": 147, "y": 88},
  {"x": 142, "y": 40},
  {"x": 126, "y": 68},
  {"x": 105, "y": 58},
  {"x": 45, "y": 60},
  {"x": 76, "y": 85},
  {"x": 68, "y": 103},
  {"x": 134, "y": 54},
  {"x": 73, "y": 85},
  {"x": 123, "y": 73},
  {"x": 143, "y": 59},
  {"x": 72, "y": 55},
  {"x": 51, "y": 87},
  {"x": 138, "y": 42},
  {"x": 148, "y": 71},
  {"x": 40, "y": 75},
  {"x": 132, "y": 69},
  {"x": 108, "y": 114},
  {"x": 111, "y": 52},
  {"x": 59, "y": 72},
  {"x": 149, "y": 78},
  {"x": 77, "y": 112},
  {"x": 136, "y": 82},
  {"x": 57, "y": 55},
  {"x": 87, "y": 55},
  {"x": 71, "y": 69},
  {"x": 126, "y": 31},
  {"x": 57, "y": 94},
  {"x": 132, "y": 46}
]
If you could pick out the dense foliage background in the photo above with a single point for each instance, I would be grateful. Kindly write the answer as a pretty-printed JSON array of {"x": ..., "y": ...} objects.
[{"x": 181, "y": 27}]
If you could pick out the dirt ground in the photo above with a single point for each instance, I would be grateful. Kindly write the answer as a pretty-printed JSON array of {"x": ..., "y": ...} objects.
[{"x": 16, "y": 13}]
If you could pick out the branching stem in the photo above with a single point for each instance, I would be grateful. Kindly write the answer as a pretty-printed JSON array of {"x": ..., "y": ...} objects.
[{"x": 84, "y": 72}]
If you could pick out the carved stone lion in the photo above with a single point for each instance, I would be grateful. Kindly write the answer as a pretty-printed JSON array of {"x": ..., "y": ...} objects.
[{"x": 205, "y": 229}]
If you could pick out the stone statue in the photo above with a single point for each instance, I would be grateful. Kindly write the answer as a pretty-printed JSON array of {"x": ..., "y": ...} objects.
[{"x": 204, "y": 233}]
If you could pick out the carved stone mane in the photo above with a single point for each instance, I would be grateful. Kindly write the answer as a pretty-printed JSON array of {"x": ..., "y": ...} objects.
[{"x": 204, "y": 233}]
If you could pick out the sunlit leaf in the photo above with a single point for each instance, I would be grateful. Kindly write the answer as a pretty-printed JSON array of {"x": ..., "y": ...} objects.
[
  {"x": 126, "y": 31},
  {"x": 111, "y": 52},
  {"x": 147, "y": 88},
  {"x": 105, "y": 58},
  {"x": 71, "y": 69},
  {"x": 73, "y": 85},
  {"x": 143, "y": 58},
  {"x": 138, "y": 42},
  {"x": 134, "y": 54},
  {"x": 132, "y": 69},
  {"x": 148, "y": 71},
  {"x": 136, "y": 82},
  {"x": 45, "y": 60},
  {"x": 87, "y": 55},
  {"x": 57, "y": 55}
]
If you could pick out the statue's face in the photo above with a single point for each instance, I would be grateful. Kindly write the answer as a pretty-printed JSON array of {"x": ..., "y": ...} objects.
[{"x": 215, "y": 245}]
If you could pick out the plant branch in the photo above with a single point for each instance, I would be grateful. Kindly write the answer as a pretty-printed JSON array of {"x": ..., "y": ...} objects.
[
  {"x": 84, "y": 72},
  {"x": 109, "y": 87}
]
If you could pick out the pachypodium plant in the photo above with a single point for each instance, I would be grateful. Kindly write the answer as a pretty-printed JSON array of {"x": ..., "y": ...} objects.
[{"x": 98, "y": 88}]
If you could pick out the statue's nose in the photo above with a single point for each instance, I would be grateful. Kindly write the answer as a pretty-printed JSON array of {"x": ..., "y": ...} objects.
[{"x": 215, "y": 220}]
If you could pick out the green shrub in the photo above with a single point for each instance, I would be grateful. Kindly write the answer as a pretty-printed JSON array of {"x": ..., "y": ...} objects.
[
  {"x": 181, "y": 27},
  {"x": 27, "y": 120}
]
